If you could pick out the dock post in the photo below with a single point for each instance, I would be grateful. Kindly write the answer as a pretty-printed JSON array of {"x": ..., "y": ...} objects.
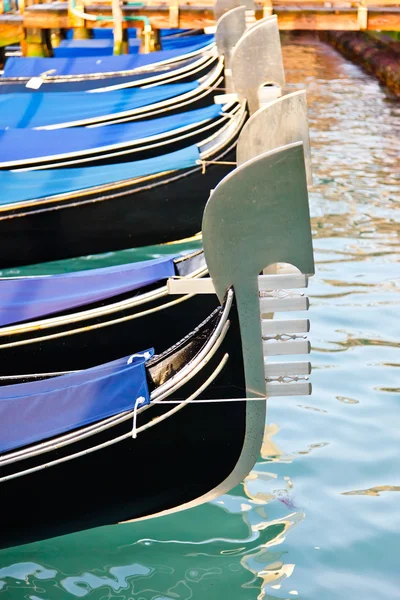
[
  {"x": 80, "y": 32},
  {"x": 56, "y": 37},
  {"x": 150, "y": 39},
  {"x": 36, "y": 42},
  {"x": 117, "y": 26}
]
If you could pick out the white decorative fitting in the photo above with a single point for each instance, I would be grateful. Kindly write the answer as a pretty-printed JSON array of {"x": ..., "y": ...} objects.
[
  {"x": 250, "y": 17},
  {"x": 274, "y": 326},
  {"x": 288, "y": 369},
  {"x": 289, "y": 389},
  {"x": 186, "y": 285},
  {"x": 268, "y": 93},
  {"x": 284, "y": 337},
  {"x": 276, "y": 304},
  {"x": 286, "y": 281},
  {"x": 226, "y": 98},
  {"x": 280, "y": 348}
]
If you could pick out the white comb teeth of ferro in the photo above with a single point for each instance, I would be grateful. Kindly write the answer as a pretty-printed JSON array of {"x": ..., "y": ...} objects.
[{"x": 284, "y": 337}]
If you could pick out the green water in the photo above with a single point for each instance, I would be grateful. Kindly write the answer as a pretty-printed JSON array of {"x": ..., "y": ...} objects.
[
  {"x": 107, "y": 259},
  {"x": 319, "y": 517}
]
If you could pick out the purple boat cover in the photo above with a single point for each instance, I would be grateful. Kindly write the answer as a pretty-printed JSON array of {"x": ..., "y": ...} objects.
[
  {"x": 35, "y": 411},
  {"x": 26, "y": 298}
]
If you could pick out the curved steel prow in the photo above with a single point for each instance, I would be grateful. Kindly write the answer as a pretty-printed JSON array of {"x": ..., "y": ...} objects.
[
  {"x": 281, "y": 122},
  {"x": 259, "y": 216},
  {"x": 230, "y": 28},
  {"x": 223, "y": 6},
  {"x": 257, "y": 64}
]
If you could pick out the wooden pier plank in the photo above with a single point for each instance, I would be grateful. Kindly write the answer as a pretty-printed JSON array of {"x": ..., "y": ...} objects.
[{"x": 309, "y": 15}]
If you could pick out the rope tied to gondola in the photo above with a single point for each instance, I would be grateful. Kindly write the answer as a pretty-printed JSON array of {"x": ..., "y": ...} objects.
[{"x": 204, "y": 163}]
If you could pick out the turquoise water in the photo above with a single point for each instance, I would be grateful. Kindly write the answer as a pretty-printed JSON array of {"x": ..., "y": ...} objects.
[
  {"x": 106, "y": 259},
  {"x": 319, "y": 517}
]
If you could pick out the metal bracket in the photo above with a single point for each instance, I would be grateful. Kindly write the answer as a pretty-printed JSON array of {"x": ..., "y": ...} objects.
[
  {"x": 186, "y": 285},
  {"x": 226, "y": 98}
]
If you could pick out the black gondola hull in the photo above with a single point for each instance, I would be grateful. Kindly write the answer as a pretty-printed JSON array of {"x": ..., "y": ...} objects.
[
  {"x": 176, "y": 462},
  {"x": 133, "y": 216},
  {"x": 84, "y": 343}
]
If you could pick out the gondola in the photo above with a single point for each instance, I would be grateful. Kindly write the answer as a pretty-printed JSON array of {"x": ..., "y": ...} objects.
[
  {"x": 72, "y": 109},
  {"x": 42, "y": 215},
  {"x": 186, "y": 70},
  {"x": 77, "y": 48},
  {"x": 96, "y": 314},
  {"x": 92, "y": 73},
  {"x": 53, "y": 214},
  {"x": 104, "y": 445},
  {"x": 110, "y": 144},
  {"x": 51, "y": 319}
]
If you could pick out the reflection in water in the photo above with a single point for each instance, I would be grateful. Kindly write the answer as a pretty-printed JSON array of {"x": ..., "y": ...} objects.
[
  {"x": 375, "y": 491},
  {"x": 294, "y": 528},
  {"x": 270, "y": 450}
]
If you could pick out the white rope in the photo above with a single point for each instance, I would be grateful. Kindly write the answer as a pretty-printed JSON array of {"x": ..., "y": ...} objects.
[
  {"x": 212, "y": 400},
  {"x": 138, "y": 402}
]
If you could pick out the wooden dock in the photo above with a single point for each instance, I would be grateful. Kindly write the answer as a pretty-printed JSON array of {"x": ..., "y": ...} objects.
[{"x": 342, "y": 15}]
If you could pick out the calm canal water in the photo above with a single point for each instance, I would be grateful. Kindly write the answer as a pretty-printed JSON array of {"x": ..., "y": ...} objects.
[{"x": 319, "y": 516}]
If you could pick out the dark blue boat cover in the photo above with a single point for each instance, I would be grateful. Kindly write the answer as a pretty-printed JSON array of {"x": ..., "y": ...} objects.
[
  {"x": 18, "y": 186},
  {"x": 107, "y": 32},
  {"x": 134, "y": 45},
  {"x": 35, "y": 411},
  {"x": 26, "y": 298},
  {"x": 96, "y": 47},
  {"x": 23, "y": 144},
  {"x": 30, "y": 67},
  {"x": 172, "y": 31},
  {"x": 174, "y": 43},
  {"x": 39, "y": 109},
  {"x": 105, "y": 46},
  {"x": 102, "y": 33}
]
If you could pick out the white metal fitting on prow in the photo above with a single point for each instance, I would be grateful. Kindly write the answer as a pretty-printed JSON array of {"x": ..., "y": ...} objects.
[
  {"x": 280, "y": 122},
  {"x": 268, "y": 92},
  {"x": 284, "y": 337},
  {"x": 250, "y": 13},
  {"x": 257, "y": 61}
]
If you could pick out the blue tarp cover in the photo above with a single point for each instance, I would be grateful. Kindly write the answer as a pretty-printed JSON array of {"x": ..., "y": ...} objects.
[
  {"x": 39, "y": 109},
  {"x": 25, "y": 298},
  {"x": 31, "y": 412},
  {"x": 172, "y": 31},
  {"x": 23, "y": 144},
  {"x": 174, "y": 43},
  {"x": 107, "y": 32},
  {"x": 96, "y": 47},
  {"x": 18, "y": 186},
  {"x": 101, "y": 33},
  {"x": 30, "y": 67}
]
